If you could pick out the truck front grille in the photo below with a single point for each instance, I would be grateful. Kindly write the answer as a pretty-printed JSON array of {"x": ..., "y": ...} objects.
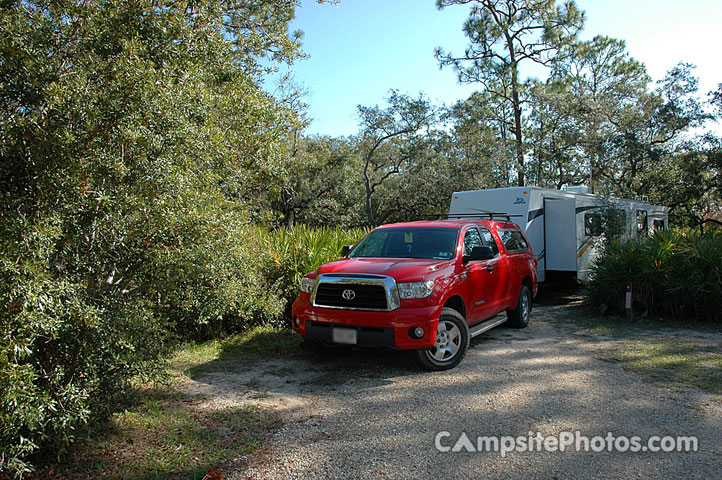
[
  {"x": 355, "y": 292},
  {"x": 365, "y": 297}
]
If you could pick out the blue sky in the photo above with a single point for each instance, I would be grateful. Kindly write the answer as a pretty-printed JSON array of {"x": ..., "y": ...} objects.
[{"x": 360, "y": 49}]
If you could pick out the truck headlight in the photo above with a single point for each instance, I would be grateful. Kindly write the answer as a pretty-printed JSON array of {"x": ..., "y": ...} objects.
[
  {"x": 307, "y": 285},
  {"x": 415, "y": 289}
]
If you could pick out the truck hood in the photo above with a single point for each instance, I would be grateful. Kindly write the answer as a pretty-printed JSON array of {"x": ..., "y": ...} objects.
[{"x": 400, "y": 269}]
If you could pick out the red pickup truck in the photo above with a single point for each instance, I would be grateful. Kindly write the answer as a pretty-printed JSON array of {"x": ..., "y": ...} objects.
[{"x": 426, "y": 286}]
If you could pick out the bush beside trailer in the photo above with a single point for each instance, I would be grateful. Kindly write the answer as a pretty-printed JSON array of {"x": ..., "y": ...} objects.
[{"x": 563, "y": 226}]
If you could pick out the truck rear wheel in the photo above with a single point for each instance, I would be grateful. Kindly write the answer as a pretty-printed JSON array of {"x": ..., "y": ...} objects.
[
  {"x": 519, "y": 317},
  {"x": 452, "y": 342}
]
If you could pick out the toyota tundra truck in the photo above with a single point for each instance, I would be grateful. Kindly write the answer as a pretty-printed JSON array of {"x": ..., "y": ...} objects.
[{"x": 427, "y": 286}]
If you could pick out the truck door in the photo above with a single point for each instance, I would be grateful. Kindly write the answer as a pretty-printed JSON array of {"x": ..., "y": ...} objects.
[
  {"x": 480, "y": 280},
  {"x": 498, "y": 268},
  {"x": 560, "y": 234}
]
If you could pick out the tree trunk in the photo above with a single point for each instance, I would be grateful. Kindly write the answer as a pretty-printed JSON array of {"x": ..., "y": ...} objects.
[
  {"x": 369, "y": 211},
  {"x": 516, "y": 105}
]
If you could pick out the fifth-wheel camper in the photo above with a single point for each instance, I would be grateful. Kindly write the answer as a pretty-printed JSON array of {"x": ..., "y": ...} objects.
[{"x": 563, "y": 226}]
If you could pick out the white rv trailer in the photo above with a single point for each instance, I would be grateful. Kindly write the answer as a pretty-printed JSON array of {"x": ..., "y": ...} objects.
[{"x": 563, "y": 226}]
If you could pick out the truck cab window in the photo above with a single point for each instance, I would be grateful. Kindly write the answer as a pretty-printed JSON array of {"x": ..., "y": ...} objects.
[
  {"x": 513, "y": 240},
  {"x": 411, "y": 242},
  {"x": 489, "y": 241},
  {"x": 471, "y": 239}
]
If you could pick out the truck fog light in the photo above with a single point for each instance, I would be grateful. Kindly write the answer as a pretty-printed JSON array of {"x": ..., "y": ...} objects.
[
  {"x": 297, "y": 322},
  {"x": 416, "y": 333}
]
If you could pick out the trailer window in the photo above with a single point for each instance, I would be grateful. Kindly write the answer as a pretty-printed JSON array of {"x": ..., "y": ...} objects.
[
  {"x": 513, "y": 240},
  {"x": 642, "y": 225},
  {"x": 592, "y": 224},
  {"x": 615, "y": 222},
  {"x": 658, "y": 225}
]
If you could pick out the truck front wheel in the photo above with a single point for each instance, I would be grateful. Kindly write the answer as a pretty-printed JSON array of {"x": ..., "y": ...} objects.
[{"x": 452, "y": 342}]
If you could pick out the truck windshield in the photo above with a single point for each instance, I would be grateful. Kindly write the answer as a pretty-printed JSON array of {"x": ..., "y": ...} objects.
[{"x": 412, "y": 242}]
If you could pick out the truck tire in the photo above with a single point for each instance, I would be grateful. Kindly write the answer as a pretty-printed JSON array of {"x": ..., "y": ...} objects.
[
  {"x": 452, "y": 342},
  {"x": 519, "y": 317}
]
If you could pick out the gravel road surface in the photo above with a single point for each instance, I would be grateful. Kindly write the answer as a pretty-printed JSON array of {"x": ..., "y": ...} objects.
[{"x": 374, "y": 414}]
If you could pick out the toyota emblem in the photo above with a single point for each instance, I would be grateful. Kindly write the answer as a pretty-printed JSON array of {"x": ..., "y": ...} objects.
[{"x": 348, "y": 294}]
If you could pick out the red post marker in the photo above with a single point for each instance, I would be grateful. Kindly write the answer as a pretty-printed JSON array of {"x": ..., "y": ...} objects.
[{"x": 628, "y": 303}]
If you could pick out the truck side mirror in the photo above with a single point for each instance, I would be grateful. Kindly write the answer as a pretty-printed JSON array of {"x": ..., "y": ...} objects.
[
  {"x": 345, "y": 250},
  {"x": 479, "y": 253}
]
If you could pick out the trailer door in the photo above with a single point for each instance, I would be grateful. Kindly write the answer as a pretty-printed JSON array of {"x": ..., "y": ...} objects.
[{"x": 560, "y": 234}]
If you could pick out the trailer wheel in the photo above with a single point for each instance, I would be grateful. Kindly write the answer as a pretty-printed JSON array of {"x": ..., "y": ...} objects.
[{"x": 519, "y": 317}]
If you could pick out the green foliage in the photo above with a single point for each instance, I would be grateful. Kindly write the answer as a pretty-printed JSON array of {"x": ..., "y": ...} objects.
[
  {"x": 479, "y": 147},
  {"x": 673, "y": 273},
  {"x": 212, "y": 282},
  {"x": 326, "y": 183},
  {"x": 301, "y": 249},
  {"x": 504, "y": 34},
  {"x": 322, "y": 186},
  {"x": 65, "y": 358},
  {"x": 690, "y": 183},
  {"x": 134, "y": 139},
  {"x": 389, "y": 142}
]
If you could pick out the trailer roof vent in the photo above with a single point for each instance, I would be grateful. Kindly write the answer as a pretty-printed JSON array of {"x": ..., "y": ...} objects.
[{"x": 578, "y": 189}]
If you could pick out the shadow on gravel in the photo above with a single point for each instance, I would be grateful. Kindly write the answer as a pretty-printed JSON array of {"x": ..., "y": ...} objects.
[
  {"x": 279, "y": 365},
  {"x": 512, "y": 382},
  {"x": 559, "y": 293},
  {"x": 294, "y": 370}
]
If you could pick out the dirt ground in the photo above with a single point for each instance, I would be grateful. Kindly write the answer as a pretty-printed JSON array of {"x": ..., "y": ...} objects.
[{"x": 372, "y": 414}]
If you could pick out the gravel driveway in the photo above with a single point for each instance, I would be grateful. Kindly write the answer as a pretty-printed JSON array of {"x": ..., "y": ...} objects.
[{"x": 375, "y": 415}]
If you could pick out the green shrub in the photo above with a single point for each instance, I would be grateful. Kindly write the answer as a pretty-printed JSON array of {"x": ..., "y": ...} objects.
[
  {"x": 673, "y": 273},
  {"x": 70, "y": 346},
  {"x": 135, "y": 138},
  {"x": 301, "y": 249},
  {"x": 213, "y": 278},
  {"x": 65, "y": 358}
]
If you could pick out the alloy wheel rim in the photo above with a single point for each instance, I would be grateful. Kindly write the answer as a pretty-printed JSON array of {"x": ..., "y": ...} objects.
[
  {"x": 448, "y": 342},
  {"x": 525, "y": 306}
]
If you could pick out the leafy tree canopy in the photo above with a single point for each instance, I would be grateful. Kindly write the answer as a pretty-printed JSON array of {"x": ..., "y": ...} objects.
[
  {"x": 134, "y": 137},
  {"x": 502, "y": 35}
]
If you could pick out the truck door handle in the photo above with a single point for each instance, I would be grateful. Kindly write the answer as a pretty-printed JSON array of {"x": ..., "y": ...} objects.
[{"x": 489, "y": 269}]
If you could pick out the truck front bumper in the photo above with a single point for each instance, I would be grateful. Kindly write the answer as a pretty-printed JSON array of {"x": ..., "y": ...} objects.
[{"x": 393, "y": 330}]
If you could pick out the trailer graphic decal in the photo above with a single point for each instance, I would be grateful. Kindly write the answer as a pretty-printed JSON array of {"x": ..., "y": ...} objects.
[{"x": 585, "y": 245}]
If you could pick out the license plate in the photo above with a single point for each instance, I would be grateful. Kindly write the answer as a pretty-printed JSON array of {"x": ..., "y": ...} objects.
[{"x": 344, "y": 335}]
